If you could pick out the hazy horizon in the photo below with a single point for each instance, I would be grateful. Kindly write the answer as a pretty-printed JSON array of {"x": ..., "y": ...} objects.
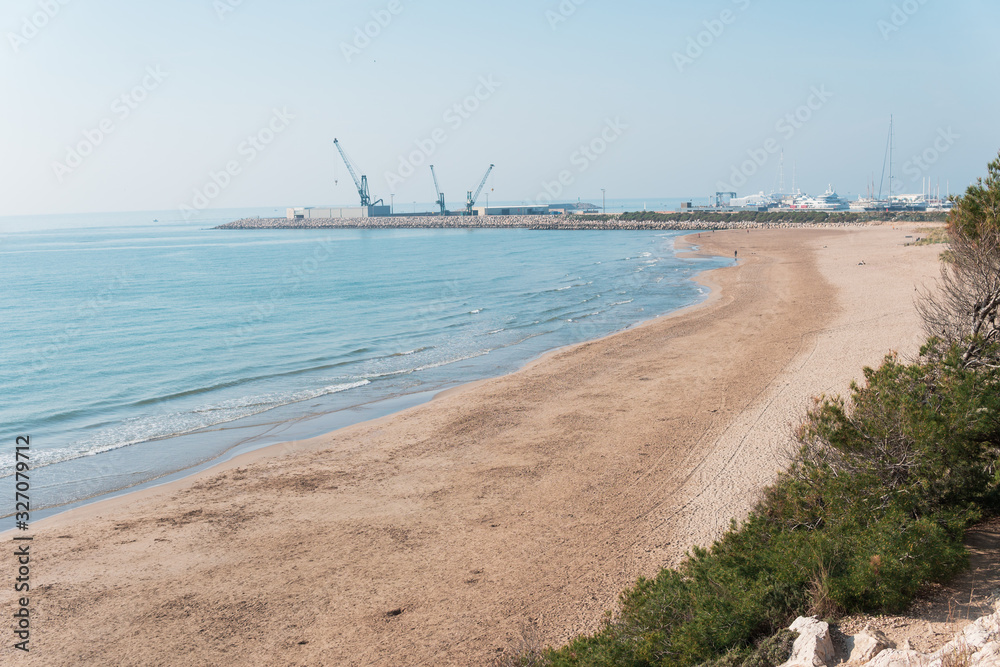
[{"x": 232, "y": 104}]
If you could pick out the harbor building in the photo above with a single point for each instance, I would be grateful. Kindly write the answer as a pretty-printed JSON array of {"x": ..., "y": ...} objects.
[
  {"x": 333, "y": 212},
  {"x": 575, "y": 208},
  {"x": 510, "y": 210}
]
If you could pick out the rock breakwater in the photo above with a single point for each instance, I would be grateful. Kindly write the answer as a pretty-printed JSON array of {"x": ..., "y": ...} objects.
[{"x": 523, "y": 222}]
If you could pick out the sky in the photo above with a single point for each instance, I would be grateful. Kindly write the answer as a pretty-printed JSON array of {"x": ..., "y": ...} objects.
[{"x": 191, "y": 105}]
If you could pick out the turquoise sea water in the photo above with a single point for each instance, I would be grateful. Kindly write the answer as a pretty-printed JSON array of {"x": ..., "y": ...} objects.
[{"x": 134, "y": 352}]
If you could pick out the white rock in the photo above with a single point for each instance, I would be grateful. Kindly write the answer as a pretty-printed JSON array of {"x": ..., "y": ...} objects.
[
  {"x": 979, "y": 641},
  {"x": 867, "y": 644},
  {"x": 988, "y": 656},
  {"x": 982, "y": 632},
  {"x": 895, "y": 658},
  {"x": 814, "y": 647}
]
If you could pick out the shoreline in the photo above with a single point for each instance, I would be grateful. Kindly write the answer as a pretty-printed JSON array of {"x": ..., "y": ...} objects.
[
  {"x": 521, "y": 505},
  {"x": 220, "y": 463}
]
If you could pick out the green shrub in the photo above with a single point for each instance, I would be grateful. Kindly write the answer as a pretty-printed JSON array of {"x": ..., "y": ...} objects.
[
  {"x": 874, "y": 508},
  {"x": 771, "y": 652}
]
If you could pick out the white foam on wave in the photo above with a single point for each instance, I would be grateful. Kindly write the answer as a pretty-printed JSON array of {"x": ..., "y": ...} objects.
[
  {"x": 437, "y": 364},
  {"x": 137, "y": 430},
  {"x": 409, "y": 353},
  {"x": 481, "y": 353}
]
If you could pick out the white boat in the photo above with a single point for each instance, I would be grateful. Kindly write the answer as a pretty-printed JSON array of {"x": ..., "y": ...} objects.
[
  {"x": 866, "y": 204},
  {"x": 938, "y": 205},
  {"x": 759, "y": 200},
  {"x": 828, "y": 201}
]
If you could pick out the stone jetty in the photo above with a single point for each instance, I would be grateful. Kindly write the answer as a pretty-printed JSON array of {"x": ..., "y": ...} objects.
[{"x": 566, "y": 222}]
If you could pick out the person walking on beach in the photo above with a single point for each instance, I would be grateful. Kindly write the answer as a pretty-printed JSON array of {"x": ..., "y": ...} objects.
[{"x": 736, "y": 255}]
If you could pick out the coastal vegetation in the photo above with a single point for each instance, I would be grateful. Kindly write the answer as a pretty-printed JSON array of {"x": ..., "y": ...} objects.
[
  {"x": 874, "y": 507},
  {"x": 931, "y": 236}
]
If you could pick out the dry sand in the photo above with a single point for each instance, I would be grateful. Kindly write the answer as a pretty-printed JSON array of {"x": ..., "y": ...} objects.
[{"x": 519, "y": 505}]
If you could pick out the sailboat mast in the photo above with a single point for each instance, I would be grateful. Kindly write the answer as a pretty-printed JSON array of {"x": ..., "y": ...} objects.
[{"x": 890, "y": 159}]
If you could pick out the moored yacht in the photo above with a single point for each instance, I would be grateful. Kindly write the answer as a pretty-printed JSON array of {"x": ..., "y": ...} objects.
[{"x": 828, "y": 201}]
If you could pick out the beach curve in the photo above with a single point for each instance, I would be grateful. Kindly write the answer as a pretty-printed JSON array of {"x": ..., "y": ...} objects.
[{"x": 522, "y": 504}]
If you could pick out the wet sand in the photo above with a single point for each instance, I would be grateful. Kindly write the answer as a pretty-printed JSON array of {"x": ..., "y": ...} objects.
[{"x": 516, "y": 506}]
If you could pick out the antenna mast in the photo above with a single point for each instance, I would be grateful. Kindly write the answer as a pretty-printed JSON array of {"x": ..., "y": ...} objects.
[{"x": 781, "y": 174}]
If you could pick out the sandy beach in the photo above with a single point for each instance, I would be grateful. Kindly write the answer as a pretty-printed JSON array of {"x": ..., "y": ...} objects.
[{"x": 517, "y": 507}]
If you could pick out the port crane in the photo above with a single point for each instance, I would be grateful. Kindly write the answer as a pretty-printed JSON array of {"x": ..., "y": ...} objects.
[
  {"x": 471, "y": 201},
  {"x": 362, "y": 183},
  {"x": 440, "y": 195}
]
